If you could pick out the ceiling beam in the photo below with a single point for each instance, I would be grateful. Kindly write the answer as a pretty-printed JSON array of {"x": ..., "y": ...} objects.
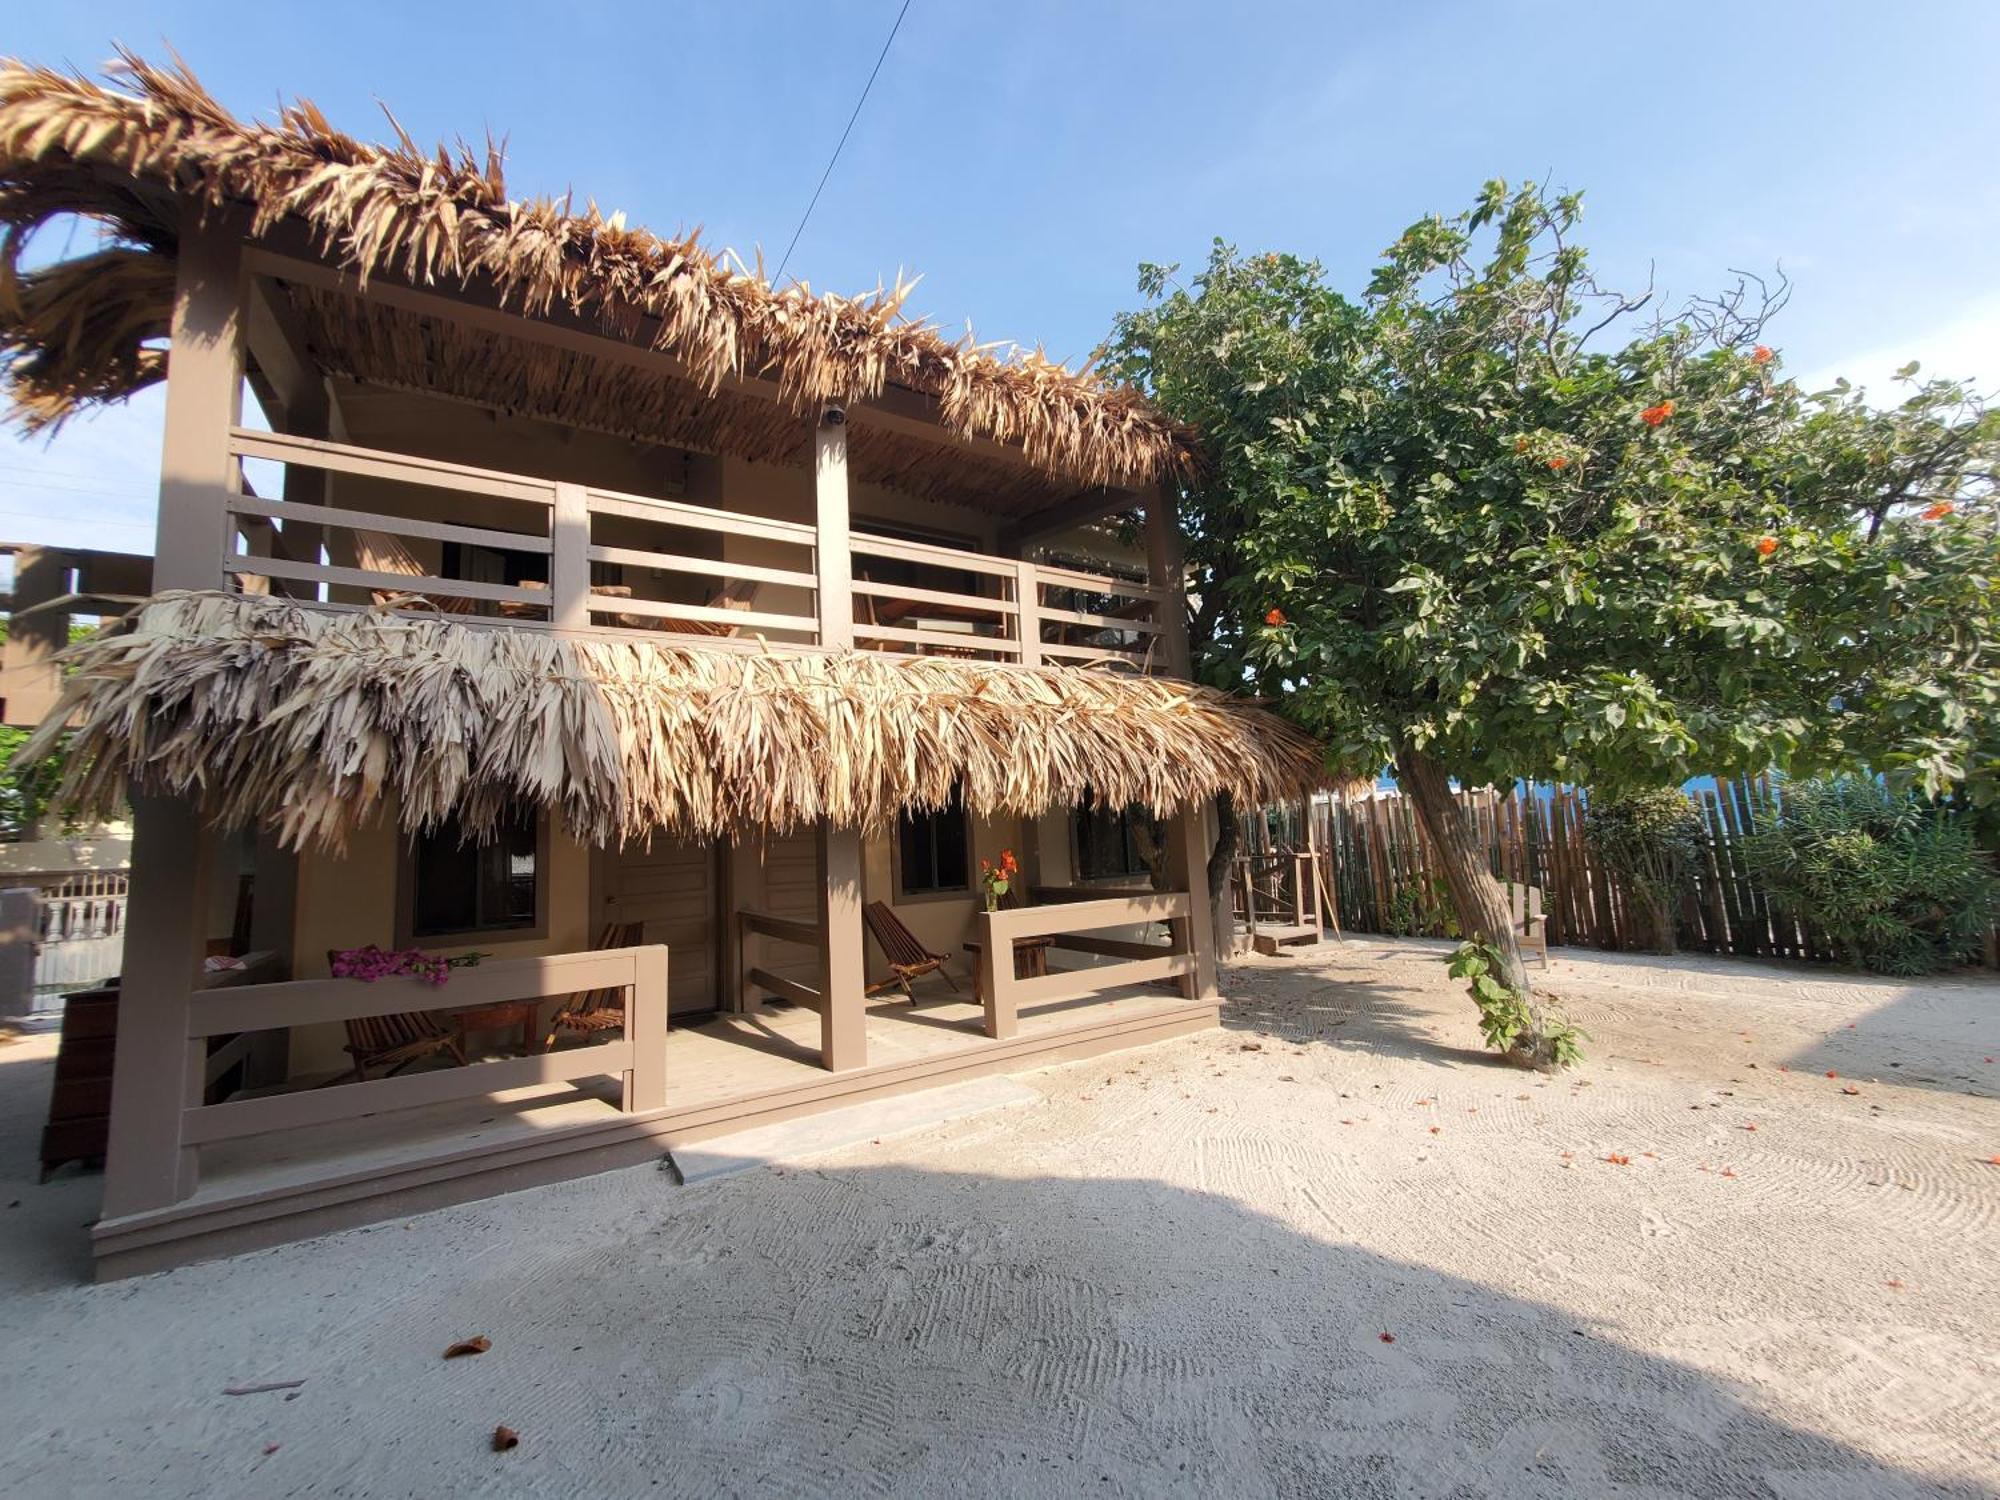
[{"x": 1078, "y": 510}]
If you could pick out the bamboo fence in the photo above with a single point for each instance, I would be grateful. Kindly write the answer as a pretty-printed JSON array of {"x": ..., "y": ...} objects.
[{"x": 1383, "y": 878}]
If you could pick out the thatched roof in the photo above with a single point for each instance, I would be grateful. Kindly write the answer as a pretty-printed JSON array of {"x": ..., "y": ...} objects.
[
  {"x": 133, "y": 155},
  {"x": 302, "y": 720}
]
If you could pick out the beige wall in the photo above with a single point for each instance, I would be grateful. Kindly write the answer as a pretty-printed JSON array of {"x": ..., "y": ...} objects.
[{"x": 352, "y": 900}]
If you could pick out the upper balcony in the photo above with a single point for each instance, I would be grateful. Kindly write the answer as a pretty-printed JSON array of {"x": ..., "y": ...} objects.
[{"x": 484, "y": 545}]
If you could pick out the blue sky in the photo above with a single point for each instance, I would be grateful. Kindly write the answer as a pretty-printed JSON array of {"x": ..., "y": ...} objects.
[{"x": 1024, "y": 158}]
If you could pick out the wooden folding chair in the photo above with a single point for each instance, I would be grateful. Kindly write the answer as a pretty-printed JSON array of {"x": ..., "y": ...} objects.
[
  {"x": 592, "y": 1012},
  {"x": 908, "y": 958},
  {"x": 396, "y": 1041}
]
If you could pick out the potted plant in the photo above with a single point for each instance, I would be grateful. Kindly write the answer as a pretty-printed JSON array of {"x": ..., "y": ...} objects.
[{"x": 997, "y": 880}]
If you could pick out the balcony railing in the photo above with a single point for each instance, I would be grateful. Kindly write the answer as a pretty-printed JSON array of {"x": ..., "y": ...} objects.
[{"x": 551, "y": 554}]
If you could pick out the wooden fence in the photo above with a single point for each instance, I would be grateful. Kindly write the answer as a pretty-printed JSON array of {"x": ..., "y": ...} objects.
[{"x": 1382, "y": 877}]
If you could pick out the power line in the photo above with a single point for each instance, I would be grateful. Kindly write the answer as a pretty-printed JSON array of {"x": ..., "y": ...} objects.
[{"x": 842, "y": 142}]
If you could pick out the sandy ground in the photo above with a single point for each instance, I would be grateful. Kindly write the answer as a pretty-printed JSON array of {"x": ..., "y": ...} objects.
[{"x": 1178, "y": 1272}]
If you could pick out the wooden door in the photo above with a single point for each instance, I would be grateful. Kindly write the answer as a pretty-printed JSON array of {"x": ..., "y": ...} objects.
[{"x": 671, "y": 887}]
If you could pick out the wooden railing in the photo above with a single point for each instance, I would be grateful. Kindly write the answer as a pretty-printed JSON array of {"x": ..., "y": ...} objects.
[
  {"x": 638, "y": 1058},
  {"x": 751, "y": 924},
  {"x": 549, "y": 553},
  {"x": 1068, "y": 925},
  {"x": 1278, "y": 889}
]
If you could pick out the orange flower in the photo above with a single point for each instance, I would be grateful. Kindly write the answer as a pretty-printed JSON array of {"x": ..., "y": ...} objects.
[
  {"x": 1558, "y": 463},
  {"x": 1653, "y": 416},
  {"x": 1274, "y": 616},
  {"x": 1766, "y": 545},
  {"x": 1939, "y": 511},
  {"x": 1762, "y": 354},
  {"x": 1520, "y": 445}
]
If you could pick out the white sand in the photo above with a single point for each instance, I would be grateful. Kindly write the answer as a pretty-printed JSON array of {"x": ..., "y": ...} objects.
[{"x": 1169, "y": 1276}]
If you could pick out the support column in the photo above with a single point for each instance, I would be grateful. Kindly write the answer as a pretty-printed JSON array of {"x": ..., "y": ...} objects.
[
  {"x": 843, "y": 1020},
  {"x": 155, "y": 1065},
  {"x": 1187, "y": 830},
  {"x": 833, "y": 559},
  {"x": 146, "y": 1165},
  {"x": 569, "y": 559},
  {"x": 204, "y": 400},
  {"x": 843, "y": 1016}
]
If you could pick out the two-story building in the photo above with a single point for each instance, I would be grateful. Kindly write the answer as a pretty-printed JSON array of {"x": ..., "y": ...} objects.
[{"x": 533, "y": 585}]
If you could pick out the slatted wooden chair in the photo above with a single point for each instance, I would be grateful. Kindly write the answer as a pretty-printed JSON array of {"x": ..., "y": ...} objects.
[
  {"x": 1524, "y": 908},
  {"x": 394, "y": 1042},
  {"x": 591, "y": 1013},
  {"x": 909, "y": 959}
]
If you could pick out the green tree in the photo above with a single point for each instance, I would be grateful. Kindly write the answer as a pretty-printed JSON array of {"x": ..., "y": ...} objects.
[{"x": 1491, "y": 520}]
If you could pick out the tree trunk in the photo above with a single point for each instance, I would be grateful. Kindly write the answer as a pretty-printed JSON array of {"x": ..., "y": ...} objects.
[
  {"x": 1477, "y": 898},
  {"x": 1221, "y": 873},
  {"x": 1660, "y": 917}
]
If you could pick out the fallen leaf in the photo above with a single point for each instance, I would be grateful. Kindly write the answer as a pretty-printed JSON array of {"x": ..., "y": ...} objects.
[
  {"x": 1619, "y": 1161},
  {"x": 1729, "y": 1171},
  {"x": 1894, "y": 1286},
  {"x": 1246, "y": 1047},
  {"x": 1387, "y": 1338},
  {"x": 258, "y": 1390},
  {"x": 505, "y": 1437},
  {"x": 1436, "y": 1131},
  {"x": 1831, "y": 1074},
  {"x": 270, "y": 1448},
  {"x": 1848, "y": 1088},
  {"x": 478, "y": 1344},
  {"x": 1749, "y": 1127}
]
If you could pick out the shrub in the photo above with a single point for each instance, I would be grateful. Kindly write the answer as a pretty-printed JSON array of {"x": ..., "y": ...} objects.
[
  {"x": 1512, "y": 1021},
  {"x": 1896, "y": 882},
  {"x": 1651, "y": 842}
]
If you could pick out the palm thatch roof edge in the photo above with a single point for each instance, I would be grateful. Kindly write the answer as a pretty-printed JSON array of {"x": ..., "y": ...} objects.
[
  {"x": 72, "y": 332},
  {"x": 303, "y": 721}
]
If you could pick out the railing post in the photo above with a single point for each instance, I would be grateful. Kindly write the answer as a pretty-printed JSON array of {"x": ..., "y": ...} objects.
[
  {"x": 646, "y": 1029},
  {"x": 1164, "y": 570},
  {"x": 843, "y": 1013},
  {"x": 155, "y": 1064},
  {"x": 204, "y": 401},
  {"x": 833, "y": 557},
  {"x": 1028, "y": 613},
  {"x": 569, "y": 558},
  {"x": 996, "y": 979}
]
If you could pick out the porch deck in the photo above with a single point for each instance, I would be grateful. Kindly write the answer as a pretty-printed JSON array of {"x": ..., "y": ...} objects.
[{"x": 730, "y": 1073}]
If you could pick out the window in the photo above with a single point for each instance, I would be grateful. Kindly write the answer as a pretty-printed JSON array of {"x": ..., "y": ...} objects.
[
  {"x": 462, "y": 887},
  {"x": 1108, "y": 839},
  {"x": 931, "y": 849}
]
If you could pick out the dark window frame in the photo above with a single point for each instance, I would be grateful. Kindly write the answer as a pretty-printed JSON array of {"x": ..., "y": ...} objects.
[
  {"x": 906, "y": 821},
  {"x": 1091, "y": 828},
  {"x": 443, "y": 842}
]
